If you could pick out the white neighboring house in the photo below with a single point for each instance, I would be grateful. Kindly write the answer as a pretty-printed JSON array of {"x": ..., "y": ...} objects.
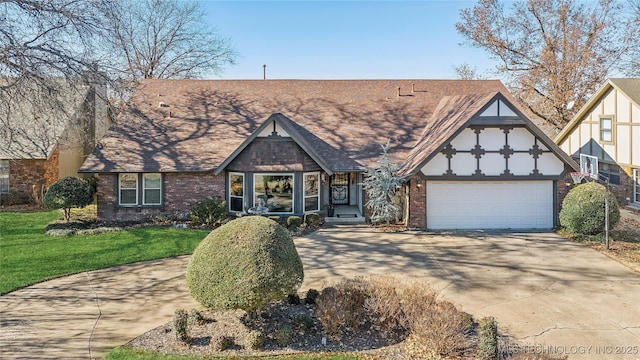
[{"x": 608, "y": 127}]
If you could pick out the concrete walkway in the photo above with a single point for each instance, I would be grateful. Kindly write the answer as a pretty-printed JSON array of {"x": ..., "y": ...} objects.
[
  {"x": 541, "y": 288},
  {"x": 83, "y": 316}
]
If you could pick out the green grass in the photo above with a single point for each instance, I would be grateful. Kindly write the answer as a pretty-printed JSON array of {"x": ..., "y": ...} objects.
[
  {"x": 29, "y": 256},
  {"x": 122, "y": 353}
]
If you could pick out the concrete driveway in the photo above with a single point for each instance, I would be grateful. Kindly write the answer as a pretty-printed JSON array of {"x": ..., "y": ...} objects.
[
  {"x": 541, "y": 288},
  {"x": 552, "y": 295}
]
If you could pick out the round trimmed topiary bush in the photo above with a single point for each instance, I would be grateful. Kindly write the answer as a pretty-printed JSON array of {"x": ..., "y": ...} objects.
[
  {"x": 244, "y": 264},
  {"x": 583, "y": 209}
]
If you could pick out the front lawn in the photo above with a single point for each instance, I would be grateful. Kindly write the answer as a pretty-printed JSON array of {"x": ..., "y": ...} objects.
[{"x": 28, "y": 255}]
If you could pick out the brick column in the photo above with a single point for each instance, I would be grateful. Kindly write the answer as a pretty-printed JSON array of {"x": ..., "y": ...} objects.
[{"x": 417, "y": 202}]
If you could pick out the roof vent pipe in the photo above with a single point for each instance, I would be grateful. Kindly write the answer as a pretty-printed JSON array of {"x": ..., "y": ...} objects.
[{"x": 398, "y": 91}]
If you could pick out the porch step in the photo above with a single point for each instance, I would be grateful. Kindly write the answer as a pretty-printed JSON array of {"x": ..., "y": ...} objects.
[{"x": 343, "y": 219}]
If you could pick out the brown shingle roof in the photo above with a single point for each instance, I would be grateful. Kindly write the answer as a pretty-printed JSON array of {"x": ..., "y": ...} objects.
[
  {"x": 195, "y": 125},
  {"x": 630, "y": 86}
]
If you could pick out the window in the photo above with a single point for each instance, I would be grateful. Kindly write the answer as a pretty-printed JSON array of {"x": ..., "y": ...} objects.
[
  {"x": 128, "y": 189},
  {"x": 311, "y": 192},
  {"x": 274, "y": 191},
  {"x": 129, "y": 184},
  {"x": 4, "y": 176},
  {"x": 236, "y": 192},
  {"x": 152, "y": 185},
  {"x": 611, "y": 172},
  {"x": 606, "y": 128}
]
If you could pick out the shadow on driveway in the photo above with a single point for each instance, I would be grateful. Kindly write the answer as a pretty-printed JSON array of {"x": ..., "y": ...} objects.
[{"x": 542, "y": 288}]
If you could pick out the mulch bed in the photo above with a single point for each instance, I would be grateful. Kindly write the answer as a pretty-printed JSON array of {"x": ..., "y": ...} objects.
[{"x": 306, "y": 334}]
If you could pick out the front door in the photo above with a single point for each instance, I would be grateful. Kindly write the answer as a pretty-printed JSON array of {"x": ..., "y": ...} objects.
[{"x": 340, "y": 189}]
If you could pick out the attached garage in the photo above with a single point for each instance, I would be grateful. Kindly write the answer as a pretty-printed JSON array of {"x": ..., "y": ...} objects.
[
  {"x": 481, "y": 164},
  {"x": 490, "y": 204}
]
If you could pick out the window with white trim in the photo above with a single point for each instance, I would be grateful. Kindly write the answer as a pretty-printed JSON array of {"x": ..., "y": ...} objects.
[
  {"x": 128, "y": 188},
  {"x": 130, "y": 184},
  {"x": 152, "y": 189},
  {"x": 236, "y": 192},
  {"x": 4, "y": 176},
  {"x": 311, "y": 191},
  {"x": 606, "y": 128},
  {"x": 274, "y": 191}
]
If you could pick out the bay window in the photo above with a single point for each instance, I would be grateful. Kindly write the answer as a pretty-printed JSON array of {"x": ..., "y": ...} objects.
[
  {"x": 275, "y": 191},
  {"x": 236, "y": 192},
  {"x": 311, "y": 191}
]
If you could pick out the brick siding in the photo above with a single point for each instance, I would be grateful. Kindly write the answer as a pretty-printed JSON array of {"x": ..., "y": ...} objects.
[
  {"x": 32, "y": 177},
  {"x": 181, "y": 192}
]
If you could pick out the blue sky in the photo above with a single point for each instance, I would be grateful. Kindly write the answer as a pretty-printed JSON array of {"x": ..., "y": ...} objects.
[{"x": 344, "y": 39}]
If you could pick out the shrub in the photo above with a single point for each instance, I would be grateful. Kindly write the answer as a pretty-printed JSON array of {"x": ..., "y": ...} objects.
[
  {"x": 283, "y": 336},
  {"x": 312, "y": 295},
  {"x": 275, "y": 218},
  {"x": 16, "y": 197},
  {"x": 487, "y": 348},
  {"x": 293, "y": 222},
  {"x": 341, "y": 307},
  {"x": 222, "y": 342},
  {"x": 442, "y": 328},
  {"x": 293, "y": 299},
  {"x": 67, "y": 193},
  {"x": 180, "y": 322},
  {"x": 244, "y": 264},
  {"x": 583, "y": 209},
  {"x": 304, "y": 322},
  {"x": 210, "y": 212},
  {"x": 312, "y": 219},
  {"x": 255, "y": 339},
  {"x": 195, "y": 317}
]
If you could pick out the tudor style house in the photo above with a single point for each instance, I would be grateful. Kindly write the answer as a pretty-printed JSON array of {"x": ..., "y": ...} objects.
[
  {"x": 48, "y": 136},
  {"x": 607, "y": 127},
  {"x": 471, "y": 158}
]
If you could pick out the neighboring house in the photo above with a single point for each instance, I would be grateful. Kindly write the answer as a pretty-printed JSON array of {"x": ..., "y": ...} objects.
[
  {"x": 47, "y": 134},
  {"x": 471, "y": 158},
  {"x": 608, "y": 128}
]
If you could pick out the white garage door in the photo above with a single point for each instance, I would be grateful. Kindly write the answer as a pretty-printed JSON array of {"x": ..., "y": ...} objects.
[{"x": 490, "y": 204}]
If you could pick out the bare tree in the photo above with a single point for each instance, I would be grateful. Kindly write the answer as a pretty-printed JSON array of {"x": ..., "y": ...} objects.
[
  {"x": 163, "y": 39},
  {"x": 43, "y": 39},
  {"x": 555, "y": 53},
  {"x": 49, "y": 50},
  {"x": 468, "y": 72},
  {"x": 46, "y": 48}
]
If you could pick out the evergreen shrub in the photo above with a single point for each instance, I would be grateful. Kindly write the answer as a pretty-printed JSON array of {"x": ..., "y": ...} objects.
[
  {"x": 583, "y": 209},
  {"x": 244, "y": 264}
]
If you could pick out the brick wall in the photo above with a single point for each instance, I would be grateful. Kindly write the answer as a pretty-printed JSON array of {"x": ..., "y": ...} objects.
[
  {"x": 181, "y": 192},
  {"x": 32, "y": 177},
  {"x": 184, "y": 190},
  {"x": 417, "y": 202}
]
